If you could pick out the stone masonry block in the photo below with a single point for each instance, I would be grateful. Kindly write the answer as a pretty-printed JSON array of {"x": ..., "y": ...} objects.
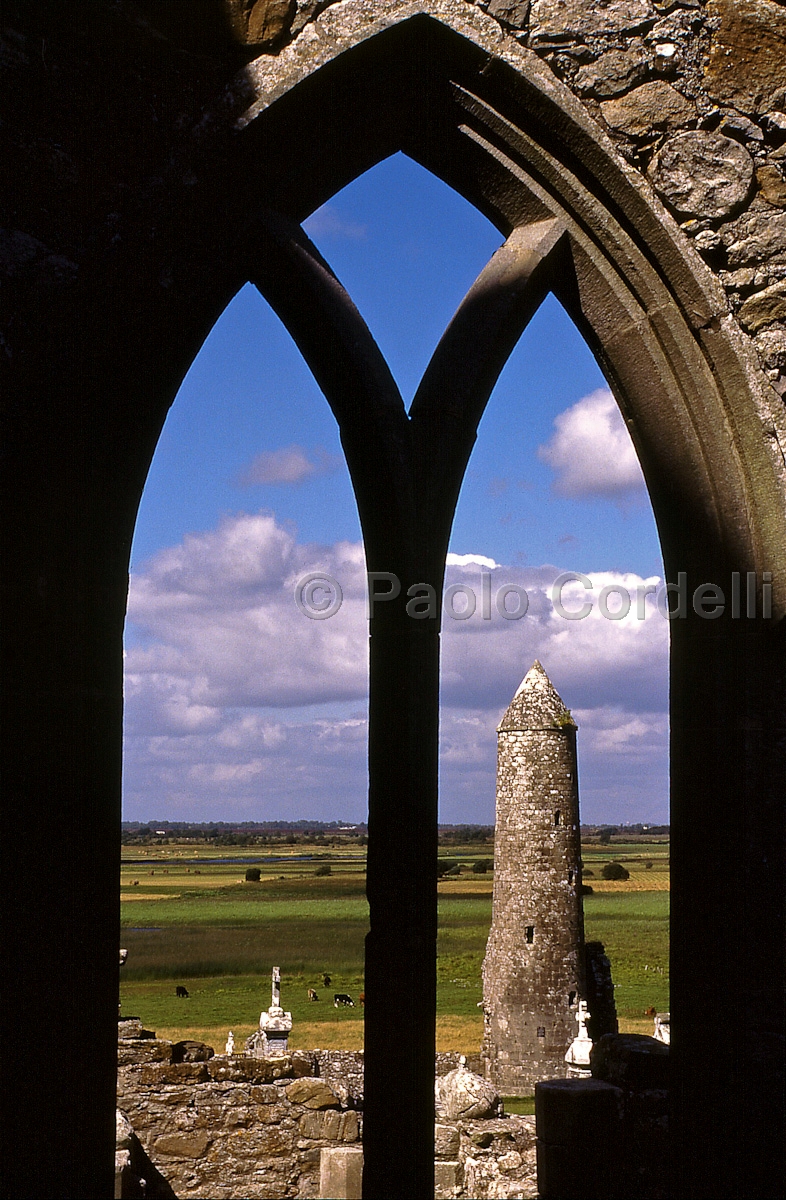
[
  {"x": 312, "y": 1093},
  {"x": 446, "y": 1141},
  {"x": 184, "y": 1145},
  {"x": 350, "y": 1129},
  {"x": 331, "y": 1125},
  {"x": 447, "y": 1180},
  {"x": 341, "y": 1173}
]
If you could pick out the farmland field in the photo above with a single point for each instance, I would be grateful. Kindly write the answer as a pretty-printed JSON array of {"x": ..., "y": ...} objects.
[{"x": 189, "y": 918}]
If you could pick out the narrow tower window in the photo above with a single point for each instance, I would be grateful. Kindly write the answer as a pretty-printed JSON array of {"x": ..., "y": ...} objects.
[
  {"x": 530, "y": 934},
  {"x": 571, "y": 999},
  {"x": 556, "y": 817},
  {"x": 570, "y": 877}
]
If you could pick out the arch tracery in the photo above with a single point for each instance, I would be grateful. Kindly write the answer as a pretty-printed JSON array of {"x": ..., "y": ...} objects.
[
  {"x": 491, "y": 121},
  {"x": 495, "y": 123}
]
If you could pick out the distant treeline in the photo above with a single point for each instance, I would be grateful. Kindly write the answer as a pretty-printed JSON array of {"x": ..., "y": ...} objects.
[
  {"x": 604, "y": 833},
  {"x": 244, "y": 833}
]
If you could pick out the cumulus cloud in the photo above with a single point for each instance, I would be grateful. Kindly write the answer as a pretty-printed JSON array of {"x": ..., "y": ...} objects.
[
  {"x": 237, "y": 703},
  {"x": 217, "y": 614},
  {"x": 593, "y": 661},
  {"x": 591, "y": 450},
  {"x": 289, "y": 465}
]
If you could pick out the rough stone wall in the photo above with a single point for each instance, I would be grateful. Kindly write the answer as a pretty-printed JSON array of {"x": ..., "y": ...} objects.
[
  {"x": 226, "y": 1129},
  {"x": 238, "y": 1127},
  {"x": 599, "y": 987},
  {"x": 533, "y": 972},
  {"x": 693, "y": 94}
]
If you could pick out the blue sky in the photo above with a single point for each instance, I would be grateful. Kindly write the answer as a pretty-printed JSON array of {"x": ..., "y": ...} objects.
[{"x": 238, "y": 705}]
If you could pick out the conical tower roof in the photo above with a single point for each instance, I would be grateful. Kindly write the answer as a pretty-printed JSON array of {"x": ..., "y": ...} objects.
[{"x": 536, "y": 705}]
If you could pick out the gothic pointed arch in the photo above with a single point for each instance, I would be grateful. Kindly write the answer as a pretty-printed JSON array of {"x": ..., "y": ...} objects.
[{"x": 485, "y": 114}]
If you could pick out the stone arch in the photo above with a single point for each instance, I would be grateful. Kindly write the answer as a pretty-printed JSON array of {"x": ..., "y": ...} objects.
[
  {"x": 519, "y": 146},
  {"x": 650, "y": 308},
  {"x": 110, "y": 326}
]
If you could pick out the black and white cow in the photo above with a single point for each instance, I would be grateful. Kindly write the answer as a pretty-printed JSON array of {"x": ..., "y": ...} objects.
[{"x": 342, "y": 999}]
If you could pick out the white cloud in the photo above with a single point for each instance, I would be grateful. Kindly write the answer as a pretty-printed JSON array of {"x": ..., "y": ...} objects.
[
  {"x": 289, "y": 465},
  {"x": 327, "y": 222},
  {"x": 238, "y": 704},
  {"x": 218, "y": 615},
  {"x": 591, "y": 450},
  {"x": 470, "y": 560}
]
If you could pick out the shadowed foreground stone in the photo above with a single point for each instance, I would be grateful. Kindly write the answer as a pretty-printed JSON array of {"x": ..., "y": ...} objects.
[{"x": 579, "y": 1131}]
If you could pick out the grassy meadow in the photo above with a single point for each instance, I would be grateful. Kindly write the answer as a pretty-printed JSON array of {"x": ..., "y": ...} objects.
[{"x": 189, "y": 918}]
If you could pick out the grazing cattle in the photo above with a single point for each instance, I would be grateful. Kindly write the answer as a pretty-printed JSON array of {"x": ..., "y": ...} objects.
[
  {"x": 312, "y": 994},
  {"x": 362, "y": 998},
  {"x": 341, "y": 998},
  {"x": 181, "y": 992},
  {"x": 326, "y": 980},
  {"x": 650, "y": 1012}
]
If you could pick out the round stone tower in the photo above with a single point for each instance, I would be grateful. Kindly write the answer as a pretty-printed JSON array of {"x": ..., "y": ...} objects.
[{"x": 533, "y": 972}]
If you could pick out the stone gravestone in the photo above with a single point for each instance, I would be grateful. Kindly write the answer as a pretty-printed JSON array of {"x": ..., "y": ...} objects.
[
  {"x": 275, "y": 1026},
  {"x": 578, "y": 1056}
]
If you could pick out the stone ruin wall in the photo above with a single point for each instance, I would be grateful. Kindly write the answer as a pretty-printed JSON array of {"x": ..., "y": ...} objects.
[
  {"x": 226, "y": 1128},
  {"x": 255, "y": 1128}
]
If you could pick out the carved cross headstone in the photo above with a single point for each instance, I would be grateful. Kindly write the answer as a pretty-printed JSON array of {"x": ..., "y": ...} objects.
[{"x": 578, "y": 1056}]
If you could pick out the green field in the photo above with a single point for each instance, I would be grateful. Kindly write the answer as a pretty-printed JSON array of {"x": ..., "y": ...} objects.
[{"x": 198, "y": 924}]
